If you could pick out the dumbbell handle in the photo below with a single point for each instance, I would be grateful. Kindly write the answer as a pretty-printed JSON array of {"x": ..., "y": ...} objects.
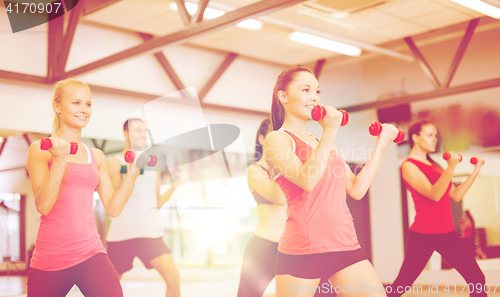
[
  {"x": 447, "y": 156},
  {"x": 376, "y": 128},
  {"x": 123, "y": 169},
  {"x": 45, "y": 144},
  {"x": 318, "y": 113}
]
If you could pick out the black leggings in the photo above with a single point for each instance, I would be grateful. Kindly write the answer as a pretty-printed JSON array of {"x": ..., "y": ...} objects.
[
  {"x": 420, "y": 248},
  {"x": 95, "y": 277},
  {"x": 257, "y": 271}
]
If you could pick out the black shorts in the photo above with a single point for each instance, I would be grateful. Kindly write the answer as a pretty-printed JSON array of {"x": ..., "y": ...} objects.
[
  {"x": 122, "y": 253},
  {"x": 315, "y": 266},
  {"x": 94, "y": 277}
]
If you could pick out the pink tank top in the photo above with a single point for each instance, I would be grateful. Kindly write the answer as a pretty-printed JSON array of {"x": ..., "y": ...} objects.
[
  {"x": 68, "y": 235},
  {"x": 318, "y": 221}
]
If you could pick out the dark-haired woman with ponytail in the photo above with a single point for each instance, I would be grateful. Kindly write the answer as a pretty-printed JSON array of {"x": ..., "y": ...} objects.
[
  {"x": 319, "y": 240},
  {"x": 260, "y": 254},
  {"x": 433, "y": 230}
]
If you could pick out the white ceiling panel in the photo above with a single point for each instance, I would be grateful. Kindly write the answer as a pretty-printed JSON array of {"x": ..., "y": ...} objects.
[
  {"x": 235, "y": 3},
  {"x": 401, "y": 29},
  {"x": 442, "y": 18},
  {"x": 21, "y": 53},
  {"x": 293, "y": 58},
  {"x": 447, "y": 3},
  {"x": 268, "y": 50},
  {"x": 368, "y": 37},
  {"x": 161, "y": 25},
  {"x": 376, "y": 25},
  {"x": 371, "y": 19},
  {"x": 411, "y": 9},
  {"x": 328, "y": 24},
  {"x": 130, "y": 12},
  {"x": 239, "y": 39},
  {"x": 468, "y": 11}
]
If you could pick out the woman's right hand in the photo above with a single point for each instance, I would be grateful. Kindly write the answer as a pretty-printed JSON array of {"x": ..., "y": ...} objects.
[
  {"x": 333, "y": 118},
  {"x": 60, "y": 148},
  {"x": 454, "y": 158},
  {"x": 388, "y": 134}
]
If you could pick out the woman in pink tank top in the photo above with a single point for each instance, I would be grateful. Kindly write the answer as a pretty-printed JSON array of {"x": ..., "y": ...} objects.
[
  {"x": 319, "y": 239},
  {"x": 68, "y": 249},
  {"x": 431, "y": 189}
]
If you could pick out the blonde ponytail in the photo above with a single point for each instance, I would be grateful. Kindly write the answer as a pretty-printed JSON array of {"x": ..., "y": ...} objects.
[{"x": 56, "y": 124}]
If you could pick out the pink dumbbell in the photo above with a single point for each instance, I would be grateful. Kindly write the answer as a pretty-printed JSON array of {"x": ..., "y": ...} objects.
[
  {"x": 318, "y": 113},
  {"x": 376, "y": 128},
  {"x": 45, "y": 144},
  {"x": 447, "y": 156},
  {"x": 474, "y": 160},
  {"x": 130, "y": 157}
]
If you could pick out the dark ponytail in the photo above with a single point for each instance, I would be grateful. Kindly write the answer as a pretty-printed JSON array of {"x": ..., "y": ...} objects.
[
  {"x": 282, "y": 83},
  {"x": 263, "y": 130}
]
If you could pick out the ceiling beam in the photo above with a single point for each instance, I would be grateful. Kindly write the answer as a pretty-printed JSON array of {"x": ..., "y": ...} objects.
[
  {"x": 460, "y": 52},
  {"x": 252, "y": 10},
  {"x": 422, "y": 39},
  {"x": 27, "y": 138},
  {"x": 101, "y": 147},
  {"x": 165, "y": 64},
  {"x": 55, "y": 36},
  {"x": 3, "y": 145},
  {"x": 10, "y": 169},
  {"x": 423, "y": 63},
  {"x": 181, "y": 8},
  {"x": 443, "y": 92},
  {"x": 23, "y": 77},
  {"x": 68, "y": 38},
  {"x": 435, "y": 94},
  {"x": 146, "y": 96},
  {"x": 318, "y": 67},
  {"x": 217, "y": 74},
  {"x": 198, "y": 17}
]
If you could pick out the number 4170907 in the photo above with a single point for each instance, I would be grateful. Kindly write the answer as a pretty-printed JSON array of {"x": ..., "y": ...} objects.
[{"x": 33, "y": 8}]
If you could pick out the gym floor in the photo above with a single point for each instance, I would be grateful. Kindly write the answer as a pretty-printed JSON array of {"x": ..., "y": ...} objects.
[
  {"x": 210, "y": 282},
  {"x": 139, "y": 282}
]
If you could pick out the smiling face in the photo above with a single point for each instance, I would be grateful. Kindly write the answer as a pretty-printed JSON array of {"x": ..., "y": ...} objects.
[
  {"x": 302, "y": 95},
  {"x": 75, "y": 107},
  {"x": 137, "y": 134},
  {"x": 427, "y": 138}
]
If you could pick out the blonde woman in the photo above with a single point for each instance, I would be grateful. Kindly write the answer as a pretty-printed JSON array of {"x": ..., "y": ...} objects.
[{"x": 68, "y": 248}]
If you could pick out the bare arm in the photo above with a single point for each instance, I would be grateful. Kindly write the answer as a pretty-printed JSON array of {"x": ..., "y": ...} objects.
[
  {"x": 357, "y": 186},
  {"x": 457, "y": 193},
  {"x": 258, "y": 180},
  {"x": 278, "y": 151},
  {"x": 162, "y": 199},
  {"x": 114, "y": 201},
  {"x": 44, "y": 182},
  {"x": 417, "y": 179},
  {"x": 114, "y": 170}
]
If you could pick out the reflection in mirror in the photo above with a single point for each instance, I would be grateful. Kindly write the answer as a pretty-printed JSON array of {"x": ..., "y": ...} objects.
[{"x": 481, "y": 228}]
